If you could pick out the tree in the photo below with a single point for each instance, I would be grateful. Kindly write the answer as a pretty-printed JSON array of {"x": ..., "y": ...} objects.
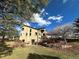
[
  {"x": 8, "y": 26},
  {"x": 76, "y": 25},
  {"x": 22, "y": 8},
  {"x": 66, "y": 31},
  {"x": 63, "y": 32},
  {"x": 76, "y": 28}
]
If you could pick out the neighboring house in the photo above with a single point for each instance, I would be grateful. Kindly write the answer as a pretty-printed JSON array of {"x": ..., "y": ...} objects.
[{"x": 31, "y": 35}]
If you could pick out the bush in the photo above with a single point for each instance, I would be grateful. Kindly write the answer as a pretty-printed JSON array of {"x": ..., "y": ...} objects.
[{"x": 19, "y": 43}]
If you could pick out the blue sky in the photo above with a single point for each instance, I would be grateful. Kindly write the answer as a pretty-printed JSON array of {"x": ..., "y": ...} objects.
[
  {"x": 69, "y": 9},
  {"x": 56, "y": 13}
]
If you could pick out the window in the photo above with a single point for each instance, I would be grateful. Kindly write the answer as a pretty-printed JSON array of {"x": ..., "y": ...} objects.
[
  {"x": 26, "y": 34},
  {"x": 30, "y": 34},
  {"x": 35, "y": 33},
  {"x": 43, "y": 34},
  {"x": 22, "y": 28},
  {"x": 23, "y": 40},
  {"x": 30, "y": 30},
  {"x": 21, "y": 34},
  {"x": 42, "y": 31},
  {"x": 39, "y": 33}
]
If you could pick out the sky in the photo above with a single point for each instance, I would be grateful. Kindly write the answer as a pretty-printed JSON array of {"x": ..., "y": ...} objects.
[{"x": 56, "y": 13}]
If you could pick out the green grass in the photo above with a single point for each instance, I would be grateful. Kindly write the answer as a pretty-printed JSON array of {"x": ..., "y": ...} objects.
[{"x": 38, "y": 52}]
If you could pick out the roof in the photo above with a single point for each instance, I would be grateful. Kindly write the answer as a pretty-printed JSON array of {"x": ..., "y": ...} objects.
[
  {"x": 32, "y": 27},
  {"x": 35, "y": 28}
]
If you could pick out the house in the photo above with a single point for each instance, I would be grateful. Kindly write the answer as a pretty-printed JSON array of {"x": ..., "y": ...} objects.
[{"x": 31, "y": 35}]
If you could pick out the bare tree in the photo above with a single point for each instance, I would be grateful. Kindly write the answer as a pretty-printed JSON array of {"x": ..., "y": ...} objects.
[{"x": 63, "y": 32}]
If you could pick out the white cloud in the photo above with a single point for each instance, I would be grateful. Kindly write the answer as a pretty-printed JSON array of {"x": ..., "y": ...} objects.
[
  {"x": 58, "y": 18},
  {"x": 64, "y": 1},
  {"x": 38, "y": 19},
  {"x": 46, "y": 13},
  {"x": 26, "y": 23},
  {"x": 42, "y": 11}
]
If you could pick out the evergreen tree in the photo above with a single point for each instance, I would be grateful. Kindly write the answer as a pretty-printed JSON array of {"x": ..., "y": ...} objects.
[
  {"x": 76, "y": 24},
  {"x": 8, "y": 26},
  {"x": 23, "y": 8}
]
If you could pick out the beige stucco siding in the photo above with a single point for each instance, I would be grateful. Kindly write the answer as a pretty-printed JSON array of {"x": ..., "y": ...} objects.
[
  {"x": 25, "y": 34},
  {"x": 28, "y": 34},
  {"x": 33, "y": 35}
]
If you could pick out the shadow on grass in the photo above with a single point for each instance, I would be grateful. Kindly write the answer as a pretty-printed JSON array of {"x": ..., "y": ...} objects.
[
  {"x": 5, "y": 50},
  {"x": 36, "y": 56}
]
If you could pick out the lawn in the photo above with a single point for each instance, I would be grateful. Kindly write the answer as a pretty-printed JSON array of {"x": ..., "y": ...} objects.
[{"x": 39, "y": 52}]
